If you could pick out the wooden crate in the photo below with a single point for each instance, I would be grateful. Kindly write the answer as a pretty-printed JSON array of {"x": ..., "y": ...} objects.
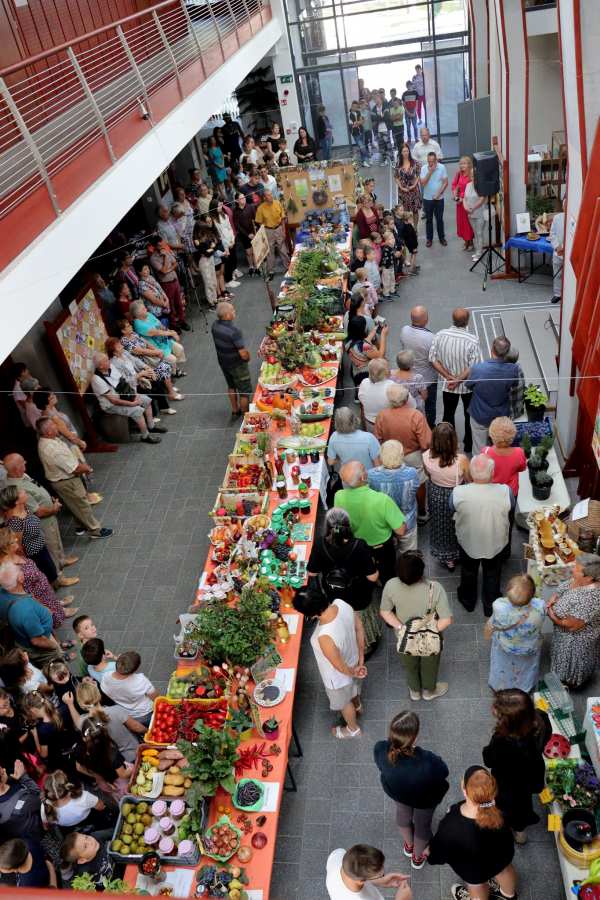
[
  {"x": 240, "y": 459},
  {"x": 261, "y": 499}
]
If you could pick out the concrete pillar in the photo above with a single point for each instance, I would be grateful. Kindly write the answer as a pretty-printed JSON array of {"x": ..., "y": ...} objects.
[
  {"x": 478, "y": 17},
  {"x": 287, "y": 91}
]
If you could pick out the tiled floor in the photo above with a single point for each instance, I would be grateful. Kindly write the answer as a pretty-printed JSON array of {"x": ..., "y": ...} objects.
[{"x": 137, "y": 582}]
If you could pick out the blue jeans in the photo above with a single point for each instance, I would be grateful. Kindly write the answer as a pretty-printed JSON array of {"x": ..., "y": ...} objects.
[
  {"x": 434, "y": 207},
  {"x": 431, "y": 403},
  {"x": 326, "y": 144},
  {"x": 411, "y": 123},
  {"x": 360, "y": 143}
]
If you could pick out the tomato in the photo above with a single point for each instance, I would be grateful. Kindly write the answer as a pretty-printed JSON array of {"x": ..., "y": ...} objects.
[
  {"x": 218, "y": 690},
  {"x": 163, "y": 706},
  {"x": 171, "y": 721}
]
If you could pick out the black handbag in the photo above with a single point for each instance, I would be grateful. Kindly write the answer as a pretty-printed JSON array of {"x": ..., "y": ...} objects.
[
  {"x": 334, "y": 484},
  {"x": 123, "y": 388}
]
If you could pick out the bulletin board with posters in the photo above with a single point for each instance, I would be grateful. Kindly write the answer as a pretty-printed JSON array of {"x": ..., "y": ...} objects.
[
  {"x": 337, "y": 181},
  {"x": 79, "y": 332}
]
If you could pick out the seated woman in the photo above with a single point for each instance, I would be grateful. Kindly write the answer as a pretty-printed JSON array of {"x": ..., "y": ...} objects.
[
  {"x": 35, "y": 582},
  {"x": 140, "y": 376},
  {"x": 28, "y": 528},
  {"x": 155, "y": 299},
  {"x": 148, "y": 326},
  {"x": 46, "y": 402}
]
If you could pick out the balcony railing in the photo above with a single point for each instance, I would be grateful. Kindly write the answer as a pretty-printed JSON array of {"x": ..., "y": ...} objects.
[{"x": 78, "y": 108}]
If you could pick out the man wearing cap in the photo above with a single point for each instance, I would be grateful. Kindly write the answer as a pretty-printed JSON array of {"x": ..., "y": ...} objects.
[{"x": 232, "y": 133}]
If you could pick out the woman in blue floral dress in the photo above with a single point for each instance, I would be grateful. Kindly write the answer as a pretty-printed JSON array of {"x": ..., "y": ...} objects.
[{"x": 516, "y": 644}]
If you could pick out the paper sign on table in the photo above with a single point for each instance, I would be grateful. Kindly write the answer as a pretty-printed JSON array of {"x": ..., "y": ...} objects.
[
  {"x": 554, "y": 823},
  {"x": 254, "y": 895},
  {"x": 287, "y": 677},
  {"x": 182, "y": 880},
  {"x": 271, "y": 796},
  {"x": 292, "y": 623},
  {"x": 580, "y": 510},
  {"x": 546, "y": 795}
]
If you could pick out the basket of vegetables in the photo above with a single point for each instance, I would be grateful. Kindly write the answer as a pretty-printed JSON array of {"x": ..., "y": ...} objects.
[{"x": 173, "y": 719}]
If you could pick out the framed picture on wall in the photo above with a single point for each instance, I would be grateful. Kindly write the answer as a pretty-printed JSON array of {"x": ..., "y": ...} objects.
[{"x": 163, "y": 183}]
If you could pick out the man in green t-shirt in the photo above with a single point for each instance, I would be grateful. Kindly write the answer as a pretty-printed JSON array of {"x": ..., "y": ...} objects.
[
  {"x": 397, "y": 117},
  {"x": 375, "y": 517}
]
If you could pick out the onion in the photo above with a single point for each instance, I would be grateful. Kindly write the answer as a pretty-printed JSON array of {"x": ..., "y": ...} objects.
[
  {"x": 259, "y": 840},
  {"x": 244, "y": 854}
]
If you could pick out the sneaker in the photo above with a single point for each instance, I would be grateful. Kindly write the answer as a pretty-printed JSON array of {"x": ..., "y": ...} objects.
[
  {"x": 212, "y": 309},
  {"x": 237, "y": 273},
  {"x": 80, "y": 531},
  {"x": 408, "y": 851},
  {"x": 104, "y": 532},
  {"x": 440, "y": 689},
  {"x": 177, "y": 329},
  {"x": 168, "y": 412},
  {"x": 383, "y": 162},
  {"x": 185, "y": 326},
  {"x": 414, "y": 695},
  {"x": 356, "y": 400},
  {"x": 423, "y": 518},
  {"x": 520, "y": 837},
  {"x": 410, "y": 272},
  {"x": 160, "y": 429},
  {"x": 156, "y": 419},
  {"x": 555, "y": 300},
  {"x": 460, "y": 892},
  {"x": 151, "y": 439},
  {"x": 232, "y": 284},
  {"x": 417, "y": 863},
  {"x": 499, "y": 894},
  {"x": 389, "y": 299},
  {"x": 366, "y": 165}
]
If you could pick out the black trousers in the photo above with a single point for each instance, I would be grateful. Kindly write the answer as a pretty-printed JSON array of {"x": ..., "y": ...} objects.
[
  {"x": 467, "y": 589},
  {"x": 159, "y": 394},
  {"x": 450, "y": 404},
  {"x": 385, "y": 560}
]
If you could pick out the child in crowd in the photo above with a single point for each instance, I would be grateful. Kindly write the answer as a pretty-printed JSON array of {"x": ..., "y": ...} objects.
[
  {"x": 377, "y": 242},
  {"x": 54, "y": 734},
  {"x": 388, "y": 272},
  {"x": 99, "y": 659},
  {"x": 399, "y": 219},
  {"x": 411, "y": 242},
  {"x": 63, "y": 681},
  {"x": 366, "y": 114},
  {"x": 124, "y": 730},
  {"x": 27, "y": 860},
  {"x": 129, "y": 688},
  {"x": 389, "y": 225},
  {"x": 380, "y": 210},
  {"x": 358, "y": 262},
  {"x": 282, "y": 150},
  {"x": 68, "y": 805},
  {"x": 363, "y": 282},
  {"x": 372, "y": 268},
  {"x": 85, "y": 630},
  {"x": 17, "y": 672},
  {"x": 85, "y": 854},
  {"x": 100, "y": 758}
]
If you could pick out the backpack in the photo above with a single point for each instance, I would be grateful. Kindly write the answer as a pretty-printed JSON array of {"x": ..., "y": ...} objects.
[{"x": 339, "y": 580}]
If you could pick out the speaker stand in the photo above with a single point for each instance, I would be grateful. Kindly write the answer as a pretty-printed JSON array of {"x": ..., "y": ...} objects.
[{"x": 487, "y": 257}]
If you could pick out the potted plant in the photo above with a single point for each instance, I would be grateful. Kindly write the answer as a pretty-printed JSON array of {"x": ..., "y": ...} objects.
[
  {"x": 541, "y": 485},
  {"x": 526, "y": 445},
  {"x": 241, "y": 723},
  {"x": 545, "y": 445},
  {"x": 271, "y": 728},
  {"x": 535, "y": 403},
  {"x": 536, "y": 464}
]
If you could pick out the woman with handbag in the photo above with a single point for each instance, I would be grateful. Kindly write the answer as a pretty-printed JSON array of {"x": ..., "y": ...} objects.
[
  {"x": 415, "y": 779},
  {"x": 515, "y": 630},
  {"x": 337, "y": 553},
  {"x": 419, "y": 611},
  {"x": 515, "y": 755}
]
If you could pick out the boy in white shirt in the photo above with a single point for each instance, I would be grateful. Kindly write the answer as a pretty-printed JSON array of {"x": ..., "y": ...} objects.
[
  {"x": 352, "y": 875},
  {"x": 129, "y": 688}
]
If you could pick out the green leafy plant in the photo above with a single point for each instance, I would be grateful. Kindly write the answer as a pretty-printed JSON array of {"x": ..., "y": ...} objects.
[
  {"x": 271, "y": 724},
  {"x": 238, "y": 633},
  {"x": 211, "y": 759},
  {"x": 536, "y": 463},
  {"x": 292, "y": 207},
  {"x": 537, "y": 206},
  {"x": 547, "y": 442},
  {"x": 87, "y": 882},
  {"x": 542, "y": 479},
  {"x": 526, "y": 444},
  {"x": 534, "y": 396},
  {"x": 240, "y": 721}
]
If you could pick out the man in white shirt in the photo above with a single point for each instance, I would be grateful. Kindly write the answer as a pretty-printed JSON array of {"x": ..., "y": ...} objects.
[
  {"x": 418, "y": 338},
  {"x": 355, "y": 874},
  {"x": 268, "y": 180},
  {"x": 557, "y": 239},
  {"x": 104, "y": 385},
  {"x": 424, "y": 146}
]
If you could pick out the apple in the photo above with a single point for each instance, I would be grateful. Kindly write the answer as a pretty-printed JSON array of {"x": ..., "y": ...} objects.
[{"x": 293, "y": 557}]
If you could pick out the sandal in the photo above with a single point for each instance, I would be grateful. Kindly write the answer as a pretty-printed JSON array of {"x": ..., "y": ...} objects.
[
  {"x": 450, "y": 566},
  {"x": 177, "y": 397},
  {"x": 69, "y": 657},
  {"x": 72, "y": 611},
  {"x": 99, "y": 499},
  {"x": 360, "y": 709},
  {"x": 66, "y": 645},
  {"x": 180, "y": 373},
  {"x": 337, "y": 733}
]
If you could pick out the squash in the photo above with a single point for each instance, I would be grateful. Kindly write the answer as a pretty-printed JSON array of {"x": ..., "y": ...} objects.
[
  {"x": 263, "y": 407},
  {"x": 283, "y": 402}
]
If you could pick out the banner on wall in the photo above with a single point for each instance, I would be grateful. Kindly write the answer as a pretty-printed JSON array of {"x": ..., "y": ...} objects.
[{"x": 596, "y": 437}]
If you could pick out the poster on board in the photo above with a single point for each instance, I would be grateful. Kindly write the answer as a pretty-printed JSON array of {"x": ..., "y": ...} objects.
[{"x": 260, "y": 246}]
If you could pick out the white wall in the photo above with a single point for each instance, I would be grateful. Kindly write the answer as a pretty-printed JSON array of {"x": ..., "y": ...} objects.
[
  {"x": 33, "y": 280},
  {"x": 545, "y": 89}
]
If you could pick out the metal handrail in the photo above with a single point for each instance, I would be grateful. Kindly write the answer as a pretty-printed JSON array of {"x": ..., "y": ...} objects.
[{"x": 73, "y": 94}]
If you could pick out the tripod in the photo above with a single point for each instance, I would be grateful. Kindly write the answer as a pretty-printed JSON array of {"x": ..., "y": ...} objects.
[
  {"x": 487, "y": 257},
  {"x": 191, "y": 288}
]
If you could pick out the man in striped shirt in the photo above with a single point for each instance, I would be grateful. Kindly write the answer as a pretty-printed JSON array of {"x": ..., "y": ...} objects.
[{"x": 453, "y": 351}]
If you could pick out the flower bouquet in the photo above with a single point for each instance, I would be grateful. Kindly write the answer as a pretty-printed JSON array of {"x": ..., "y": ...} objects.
[{"x": 574, "y": 783}]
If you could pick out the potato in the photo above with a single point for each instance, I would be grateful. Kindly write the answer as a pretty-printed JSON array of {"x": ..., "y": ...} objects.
[
  {"x": 187, "y": 783},
  {"x": 170, "y": 791},
  {"x": 174, "y": 770},
  {"x": 174, "y": 780}
]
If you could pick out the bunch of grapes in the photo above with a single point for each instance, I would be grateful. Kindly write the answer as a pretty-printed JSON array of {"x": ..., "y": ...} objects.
[
  {"x": 282, "y": 552},
  {"x": 248, "y": 506},
  {"x": 275, "y": 601},
  {"x": 209, "y": 876}
]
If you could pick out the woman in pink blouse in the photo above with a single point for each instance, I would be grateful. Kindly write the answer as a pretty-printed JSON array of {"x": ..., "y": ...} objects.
[
  {"x": 367, "y": 219},
  {"x": 462, "y": 178}
]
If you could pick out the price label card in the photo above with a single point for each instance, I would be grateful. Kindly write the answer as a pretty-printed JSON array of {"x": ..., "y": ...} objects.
[
  {"x": 292, "y": 623},
  {"x": 542, "y": 704},
  {"x": 554, "y": 823},
  {"x": 271, "y": 796},
  {"x": 546, "y": 795},
  {"x": 287, "y": 676}
]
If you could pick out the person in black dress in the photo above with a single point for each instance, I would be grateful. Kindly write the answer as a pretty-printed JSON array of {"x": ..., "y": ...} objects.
[
  {"x": 475, "y": 840},
  {"x": 515, "y": 754},
  {"x": 347, "y": 568},
  {"x": 415, "y": 779}
]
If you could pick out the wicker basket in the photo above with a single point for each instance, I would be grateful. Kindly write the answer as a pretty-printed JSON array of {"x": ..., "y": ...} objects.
[{"x": 591, "y": 521}]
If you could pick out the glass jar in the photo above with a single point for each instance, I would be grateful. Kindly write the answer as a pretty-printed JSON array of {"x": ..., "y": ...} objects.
[
  {"x": 281, "y": 488},
  {"x": 279, "y": 460},
  {"x": 307, "y": 480},
  {"x": 303, "y": 457},
  {"x": 287, "y": 594},
  {"x": 305, "y": 507},
  {"x": 295, "y": 473},
  {"x": 290, "y": 456},
  {"x": 303, "y": 491},
  {"x": 314, "y": 456}
]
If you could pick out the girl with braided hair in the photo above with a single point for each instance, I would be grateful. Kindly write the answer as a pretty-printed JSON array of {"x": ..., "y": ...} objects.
[{"x": 73, "y": 809}]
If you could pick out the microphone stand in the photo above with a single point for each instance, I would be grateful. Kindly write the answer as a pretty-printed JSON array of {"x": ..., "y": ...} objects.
[{"x": 487, "y": 257}]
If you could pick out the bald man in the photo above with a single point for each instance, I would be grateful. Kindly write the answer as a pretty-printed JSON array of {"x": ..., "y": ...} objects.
[
  {"x": 41, "y": 504},
  {"x": 233, "y": 357},
  {"x": 418, "y": 338}
]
